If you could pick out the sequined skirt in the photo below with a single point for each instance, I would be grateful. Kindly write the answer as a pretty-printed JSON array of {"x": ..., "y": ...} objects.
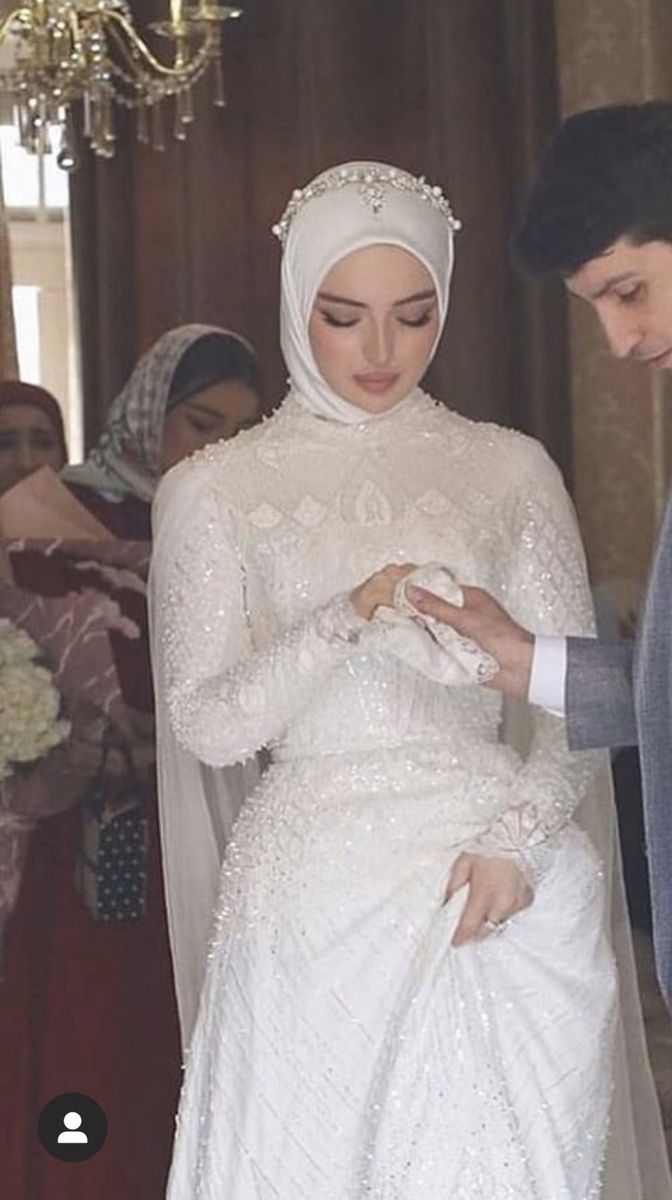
[{"x": 346, "y": 1050}]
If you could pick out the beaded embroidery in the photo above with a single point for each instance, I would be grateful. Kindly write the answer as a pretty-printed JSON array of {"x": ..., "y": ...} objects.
[
  {"x": 345, "y": 1051},
  {"x": 373, "y": 184}
]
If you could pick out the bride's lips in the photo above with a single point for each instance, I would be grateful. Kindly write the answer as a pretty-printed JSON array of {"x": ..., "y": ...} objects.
[
  {"x": 661, "y": 360},
  {"x": 378, "y": 382}
]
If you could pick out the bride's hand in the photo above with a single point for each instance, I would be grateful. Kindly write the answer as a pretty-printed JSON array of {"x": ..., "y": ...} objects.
[
  {"x": 497, "y": 891},
  {"x": 379, "y": 589}
]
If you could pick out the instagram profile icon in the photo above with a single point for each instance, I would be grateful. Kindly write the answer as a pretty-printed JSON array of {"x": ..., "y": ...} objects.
[{"x": 72, "y": 1127}]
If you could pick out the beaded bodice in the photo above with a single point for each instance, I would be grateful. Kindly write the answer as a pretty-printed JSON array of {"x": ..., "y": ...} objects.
[{"x": 261, "y": 643}]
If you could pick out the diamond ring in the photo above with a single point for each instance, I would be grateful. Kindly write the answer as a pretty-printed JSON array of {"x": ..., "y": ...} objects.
[{"x": 495, "y": 926}]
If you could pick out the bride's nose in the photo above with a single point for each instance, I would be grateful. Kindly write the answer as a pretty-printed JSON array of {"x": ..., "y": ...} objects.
[{"x": 379, "y": 343}]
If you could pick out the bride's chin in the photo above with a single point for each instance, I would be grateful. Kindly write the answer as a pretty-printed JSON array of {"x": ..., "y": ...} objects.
[{"x": 374, "y": 404}]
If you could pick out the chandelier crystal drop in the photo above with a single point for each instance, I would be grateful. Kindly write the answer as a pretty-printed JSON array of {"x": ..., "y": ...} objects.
[{"x": 89, "y": 51}]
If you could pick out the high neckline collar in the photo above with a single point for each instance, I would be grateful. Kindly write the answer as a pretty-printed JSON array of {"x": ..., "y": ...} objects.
[{"x": 411, "y": 404}]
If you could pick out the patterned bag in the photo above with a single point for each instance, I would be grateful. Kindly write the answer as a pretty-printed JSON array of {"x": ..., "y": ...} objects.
[{"x": 111, "y": 871}]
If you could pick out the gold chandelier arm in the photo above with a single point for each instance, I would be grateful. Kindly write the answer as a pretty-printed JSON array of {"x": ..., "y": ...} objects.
[
  {"x": 90, "y": 51},
  {"x": 146, "y": 54},
  {"x": 6, "y": 22}
]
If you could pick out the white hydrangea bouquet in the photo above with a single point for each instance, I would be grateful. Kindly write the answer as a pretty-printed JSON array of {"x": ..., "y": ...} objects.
[{"x": 30, "y": 722}]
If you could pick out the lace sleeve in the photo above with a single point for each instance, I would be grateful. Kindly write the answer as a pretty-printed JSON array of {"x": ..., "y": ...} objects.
[
  {"x": 225, "y": 697},
  {"x": 547, "y": 591}
]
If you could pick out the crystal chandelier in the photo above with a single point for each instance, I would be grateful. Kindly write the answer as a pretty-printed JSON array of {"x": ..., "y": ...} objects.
[{"x": 67, "y": 51}]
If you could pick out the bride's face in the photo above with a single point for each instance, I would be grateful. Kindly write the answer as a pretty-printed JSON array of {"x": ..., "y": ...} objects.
[{"x": 373, "y": 325}]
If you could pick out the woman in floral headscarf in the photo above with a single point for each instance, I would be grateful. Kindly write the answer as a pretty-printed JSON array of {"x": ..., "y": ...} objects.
[
  {"x": 197, "y": 384},
  {"x": 85, "y": 1006}
]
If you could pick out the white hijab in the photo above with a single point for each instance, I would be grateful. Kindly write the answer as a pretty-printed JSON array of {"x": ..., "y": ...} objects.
[{"x": 345, "y": 209}]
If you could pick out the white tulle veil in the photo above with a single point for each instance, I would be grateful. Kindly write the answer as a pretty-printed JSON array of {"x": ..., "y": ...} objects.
[{"x": 198, "y": 805}]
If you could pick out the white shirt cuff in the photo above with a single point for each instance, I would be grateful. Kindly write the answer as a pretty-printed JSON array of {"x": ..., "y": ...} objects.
[{"x": 548, "y": 674}]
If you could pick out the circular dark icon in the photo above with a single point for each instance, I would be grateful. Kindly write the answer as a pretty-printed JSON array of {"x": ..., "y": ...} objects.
[{"x": 72, "y": 1127}]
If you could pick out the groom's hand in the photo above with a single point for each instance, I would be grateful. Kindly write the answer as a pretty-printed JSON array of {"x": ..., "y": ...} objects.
[{"x": 485, "y": 621}]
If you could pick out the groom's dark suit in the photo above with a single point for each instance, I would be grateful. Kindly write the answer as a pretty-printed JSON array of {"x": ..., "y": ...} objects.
[{"x": 620, "y": 695}]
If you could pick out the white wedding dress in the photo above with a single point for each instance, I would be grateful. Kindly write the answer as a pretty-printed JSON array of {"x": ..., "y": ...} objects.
[{"x": 343, "y": 1048}]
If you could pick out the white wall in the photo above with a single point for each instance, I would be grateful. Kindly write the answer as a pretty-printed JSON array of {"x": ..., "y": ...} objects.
[{"x": 40, "y": 258}]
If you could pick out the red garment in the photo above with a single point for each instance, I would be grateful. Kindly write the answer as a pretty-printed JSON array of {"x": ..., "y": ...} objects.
[
  {"x": 127, "y": 520},
  {"x": 87, "y": 1007},
  {"x": 13, "y": 391}
]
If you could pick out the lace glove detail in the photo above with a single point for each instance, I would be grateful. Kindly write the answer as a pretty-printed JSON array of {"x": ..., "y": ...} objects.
[
  {"x": 533, "y": 861},
  {"x": 339, "y": 623},
  {"x": 429, "y": 647},
  {"x": 546, "y": 792}
]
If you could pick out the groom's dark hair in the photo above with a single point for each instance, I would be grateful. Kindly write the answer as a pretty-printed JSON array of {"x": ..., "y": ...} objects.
[{"x": 604, "y": 175}]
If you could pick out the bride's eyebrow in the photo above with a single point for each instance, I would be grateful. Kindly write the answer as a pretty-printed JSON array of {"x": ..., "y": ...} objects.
[
  {"x": 340, "y": 300},
  {"x": 430, "y": 294}
]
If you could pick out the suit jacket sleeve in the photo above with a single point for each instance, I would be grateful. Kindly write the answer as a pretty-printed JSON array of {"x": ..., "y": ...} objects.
[{"x": 599, "y": 694}]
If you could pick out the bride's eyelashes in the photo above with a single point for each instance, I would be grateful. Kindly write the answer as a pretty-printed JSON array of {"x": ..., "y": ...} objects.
[
  {"x": 348, "y": 322},
  {"x": 417, "y": 322},
  {"x": 338, "y": 322}
]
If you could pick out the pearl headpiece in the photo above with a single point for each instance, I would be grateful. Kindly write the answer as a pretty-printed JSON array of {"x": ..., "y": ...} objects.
[{"x": 373, "y": 185}]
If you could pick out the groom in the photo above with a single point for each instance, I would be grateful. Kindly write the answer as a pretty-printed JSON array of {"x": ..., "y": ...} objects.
[{"x": 600, "y": 215}]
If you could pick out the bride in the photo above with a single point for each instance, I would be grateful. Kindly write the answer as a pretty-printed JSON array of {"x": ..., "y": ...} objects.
[{"x": 410, "y": 992}]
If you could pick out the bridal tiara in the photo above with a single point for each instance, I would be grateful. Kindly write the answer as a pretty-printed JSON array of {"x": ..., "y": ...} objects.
[{"x": 373, "y": 185}]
